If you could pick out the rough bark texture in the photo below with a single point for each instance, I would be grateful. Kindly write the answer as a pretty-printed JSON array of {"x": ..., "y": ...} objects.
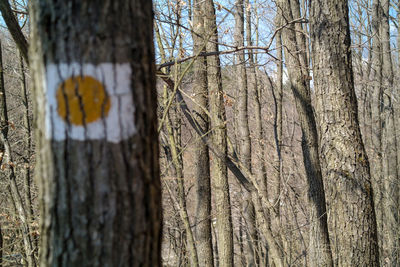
[
  {"x": 218, "y": 126},
  {"x": 100, "y": 201},
  {"x": 345, "y": 167},
  {"x": 202, "y": 166},
  {"x": 297, "y": 65}
]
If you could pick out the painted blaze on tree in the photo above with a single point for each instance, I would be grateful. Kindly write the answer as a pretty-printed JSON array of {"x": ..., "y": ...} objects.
[
  {"x": 98, "y": 171},
  {"x": 86, "y": 101},
  {"x": 82, "y": 91}
]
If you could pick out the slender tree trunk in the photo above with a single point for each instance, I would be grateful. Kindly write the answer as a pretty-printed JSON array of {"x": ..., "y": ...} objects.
[
  {"x": 384, "y": 153},
  {"x": 181, "y": 192},
  {"x": 255, "y": 93},
  {"x": 278, "y": 93},
  {"x": 13, "y": 26},
  {"x": 390, "y": 190},
  {"x": 95, "y": 100},
  {"x": 296, "y": 60},
  {"x": 218, "y": 126},
  {"x": 174, "y": 155},
  {"x": 258, "y": 165},
  {"x": 27, "y": 142},
  {"x": 345, "y": 166},
  {"x": 365, "y": 105},
  {"x": 376, "y": 120},
  {"x": 274, "y": 189},
  {"x": 244, "y": 133},
  {"x": 202, "y": 166}
]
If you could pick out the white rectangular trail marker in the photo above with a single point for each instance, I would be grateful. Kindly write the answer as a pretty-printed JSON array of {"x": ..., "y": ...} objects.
[{"x": 89, "y": 102}]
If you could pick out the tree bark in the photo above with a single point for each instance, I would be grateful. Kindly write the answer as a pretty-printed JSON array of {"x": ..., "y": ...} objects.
[
  {"x": 218, "y": 135},
  {"x": 297, "y": 66},
  {"x": 99, "y": 190},
  {"x": 244, "y": 142},
  {"x": 274, "y": 192},
  {"x": 27, "y": 141},
  {"x": 390, "y": 190},
  {"x": 255, "y": 93},
  {"x": 345, "y": 166},
  {"x": 202, "y": 166},
  {"x": 376, "y": 120}
]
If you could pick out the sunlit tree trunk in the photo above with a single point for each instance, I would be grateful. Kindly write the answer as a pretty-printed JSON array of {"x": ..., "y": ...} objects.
[
  {"x": 297, "y": 65},
  {"x": 202, "y": 166},
  {"x": 98, "y": 171},
  {"x": 244, "y": 142},
  {"x": 390, "y": 189},
  {"x": 345, "y": 166},
  {"x": 218, "y": 127},
  {"x": 27, "y": 142},
  {"x": 275, "y": 189},
  {"x": 376, "y": 120}
]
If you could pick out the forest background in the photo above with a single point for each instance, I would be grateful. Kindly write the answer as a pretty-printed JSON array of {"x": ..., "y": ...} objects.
[{"x": 236, "y": 91}]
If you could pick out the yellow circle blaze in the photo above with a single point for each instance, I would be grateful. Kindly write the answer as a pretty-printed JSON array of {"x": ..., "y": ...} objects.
[{"x": 82, "y": 100}]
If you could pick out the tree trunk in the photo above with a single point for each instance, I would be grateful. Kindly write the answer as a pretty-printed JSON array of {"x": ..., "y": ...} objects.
[
  {"x": 345, "y": 167},
  {"x": 274, "y": 191},
  {"x": 244, "y": 133},
  {"x": 14, "y": 28},
  {"x": 218, "y": 126},
  {"x": 202, "y": 166},
  {"x": 27, "y": 142},
  {"x": 390, "y": 190},
  {"x": 376, "y": 120},
  {"x": 255, "y": 93},
  {"x": 181, "y": 192},
  {"x": 98, "y": 171},
  {"x": 296, "y": 60}
]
